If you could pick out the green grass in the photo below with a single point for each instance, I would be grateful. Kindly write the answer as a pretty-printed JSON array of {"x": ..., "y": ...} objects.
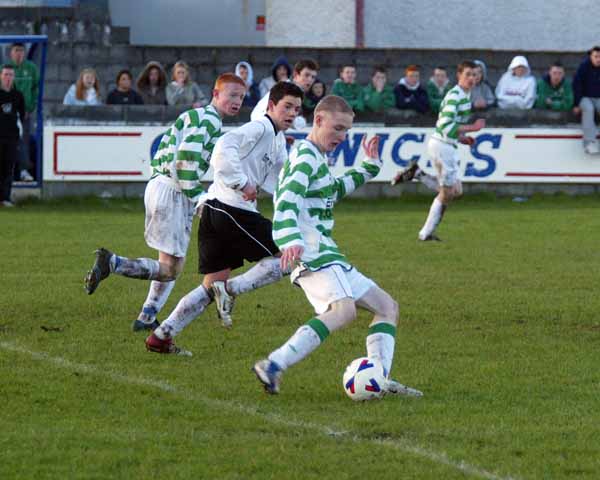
[{"x": 499, "y": 327}]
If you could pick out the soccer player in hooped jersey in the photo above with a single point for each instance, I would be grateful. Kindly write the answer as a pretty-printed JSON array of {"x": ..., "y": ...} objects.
[
  {"x": 442, "y": 147},
  {"x": 302, "y": 229},
  {"x": 170, "y": 198},
  {"x": 231, "y": 229}
]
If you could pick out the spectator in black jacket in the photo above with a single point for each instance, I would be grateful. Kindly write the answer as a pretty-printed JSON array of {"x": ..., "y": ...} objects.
[
  {"x": 586, "y": 90},
  {"x": 12, "y": 108},
  {"x": 124, "y": 94},
  {"x": 410, "y": 95}
]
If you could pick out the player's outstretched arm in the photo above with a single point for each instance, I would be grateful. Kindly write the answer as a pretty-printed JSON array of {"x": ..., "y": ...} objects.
[
  {"x": 473, "y": 127},
  {"x": 356, "y": 177}
]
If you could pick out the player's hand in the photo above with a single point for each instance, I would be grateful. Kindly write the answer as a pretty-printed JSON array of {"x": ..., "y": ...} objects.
[
  {"x": 371, "y": 147},
  {"x": 249, "y": 192},
  {"x": 466, "y": 140},
  {"x": 577, "y": 110},
  {"x": 290, "y": 257},
  {"x": 478, "y": 124}
]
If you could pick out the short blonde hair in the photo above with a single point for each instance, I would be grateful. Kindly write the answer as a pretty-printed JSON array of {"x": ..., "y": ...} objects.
[{"x": 332, "y": 104}]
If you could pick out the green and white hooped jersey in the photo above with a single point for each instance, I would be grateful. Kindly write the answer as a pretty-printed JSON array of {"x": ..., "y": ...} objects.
[
  {"x": 186, "y": 147},
  {"x": 304, "y": 199},
  {"x": 454, "y": 111}
]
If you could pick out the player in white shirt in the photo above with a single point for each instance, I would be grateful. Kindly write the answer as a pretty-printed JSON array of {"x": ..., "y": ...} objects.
[
  {"x": 182, "y": 159},
  {"x": 304, "y": 75},
  {"x": 231, "y": 229}
]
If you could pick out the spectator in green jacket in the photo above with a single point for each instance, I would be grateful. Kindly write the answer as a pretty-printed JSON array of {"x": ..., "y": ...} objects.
[
  {"x": 437, "y": 88},
  {"x": 378, "y": 96},
  {"x": 554, "y": 91},
  {"x": 27, "y": 81},
  {"x": 347, "y": 88}
]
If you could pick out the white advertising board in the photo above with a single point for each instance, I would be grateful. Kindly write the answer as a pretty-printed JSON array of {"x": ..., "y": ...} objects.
[{"x": 499, "y": 155}]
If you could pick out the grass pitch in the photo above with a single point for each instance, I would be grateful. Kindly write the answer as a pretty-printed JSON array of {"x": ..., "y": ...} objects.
[{"x": 499, "y": 327}]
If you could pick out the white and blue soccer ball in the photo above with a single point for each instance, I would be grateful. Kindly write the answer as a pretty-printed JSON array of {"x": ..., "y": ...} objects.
[{"x": 364, "y": 379}]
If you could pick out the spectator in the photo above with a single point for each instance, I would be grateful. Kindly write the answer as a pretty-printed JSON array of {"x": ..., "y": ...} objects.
[
  {"x": 246, "y": 73},
  {"x": 437, "y": 88},
  {"x": 27, "y": 82},
  {"x": 347, "y": 88},
  {"x": 86, "y": 91},
  {"x": 304, "y": 75},
  {"x": 482, "y": 93},
  {"x": 313, "y": 96},
  {"x": 554, "y": 91},
  {"x": 183, "y": 90},
  {"x": 409, "y": 93},
  {"x": 124, "y": 94},
  {"x": 13, "y": 104},
  {"x": 586, "y": 90},
  {"x": 281, "y": 71},
  {"x": 516, "y": 88},
  {"x": 378, "y": 96},
  {"x": 151, "y": 84}
]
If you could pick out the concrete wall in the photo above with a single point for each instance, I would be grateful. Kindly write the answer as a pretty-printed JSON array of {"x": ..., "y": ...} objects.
[
  {"x": 311, "y": 23},
  {"x": 187, "y": 22},
  {"x": 555, "y": 25}
]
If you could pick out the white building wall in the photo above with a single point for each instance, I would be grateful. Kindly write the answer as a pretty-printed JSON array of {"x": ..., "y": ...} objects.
[
  {"x": 310, "y": 23},
  {"x": 558, "y": 25},
  {"x": 190, "y": 22}
]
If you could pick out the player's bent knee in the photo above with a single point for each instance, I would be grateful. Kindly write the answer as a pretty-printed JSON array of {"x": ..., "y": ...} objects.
[{"x": 341, "y": 313}]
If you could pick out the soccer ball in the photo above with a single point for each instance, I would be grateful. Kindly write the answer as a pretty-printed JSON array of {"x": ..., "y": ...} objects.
[{"x": 364, "y": 379}]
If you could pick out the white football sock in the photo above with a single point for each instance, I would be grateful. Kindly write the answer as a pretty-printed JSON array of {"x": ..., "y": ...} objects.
[
  {"x": 143, "y": 268},
  {"x": 436, "y": 212},
  {"x": 265, "y": 272},
  {"x": 306, "y": 339},
  {"x": 188, "y": 308},
  {"x": 429, "y": 181},
  {"x": 381, "y": 344},
  {"x": 157, "y": 297}
]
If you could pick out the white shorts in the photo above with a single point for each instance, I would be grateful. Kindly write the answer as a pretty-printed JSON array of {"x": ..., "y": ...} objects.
[
  {"x": 169, "y": 217},
  {"x": 330, "y": 284},
  {"x": 445, "y": 160}
]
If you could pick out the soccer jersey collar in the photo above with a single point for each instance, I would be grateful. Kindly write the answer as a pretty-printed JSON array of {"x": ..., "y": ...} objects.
[{"x": 272, "y": 123}]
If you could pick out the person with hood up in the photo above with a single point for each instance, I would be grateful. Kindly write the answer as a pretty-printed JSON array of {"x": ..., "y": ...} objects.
[
  {"x": 151, "y": 84},
  {"x": 586, "y": 90},
  {"x": 246, "y": 73},
  {"x": 482, "y": 94},
  {"x": 516, "y": 88},
  {"x": 554, "y": 91},
  {"x": 281, "y": 71},
  {"x": 409, "y": 93}
]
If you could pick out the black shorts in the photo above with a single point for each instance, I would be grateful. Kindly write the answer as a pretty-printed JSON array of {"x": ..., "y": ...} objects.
[{"x": 227, "y": 236}]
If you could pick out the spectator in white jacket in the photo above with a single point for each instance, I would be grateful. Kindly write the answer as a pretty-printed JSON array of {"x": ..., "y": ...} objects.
[{"x": 516, "y": 88}]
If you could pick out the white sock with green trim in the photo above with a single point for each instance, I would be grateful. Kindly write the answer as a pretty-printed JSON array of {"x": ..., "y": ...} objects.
[
  {"x": 265, "y": 272},
  {"x": 436, "y": 212},
  {"x": 188, "y": 308},
  {"x": 380, "y": 344},
  {"x": 306, "y": 339}
]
